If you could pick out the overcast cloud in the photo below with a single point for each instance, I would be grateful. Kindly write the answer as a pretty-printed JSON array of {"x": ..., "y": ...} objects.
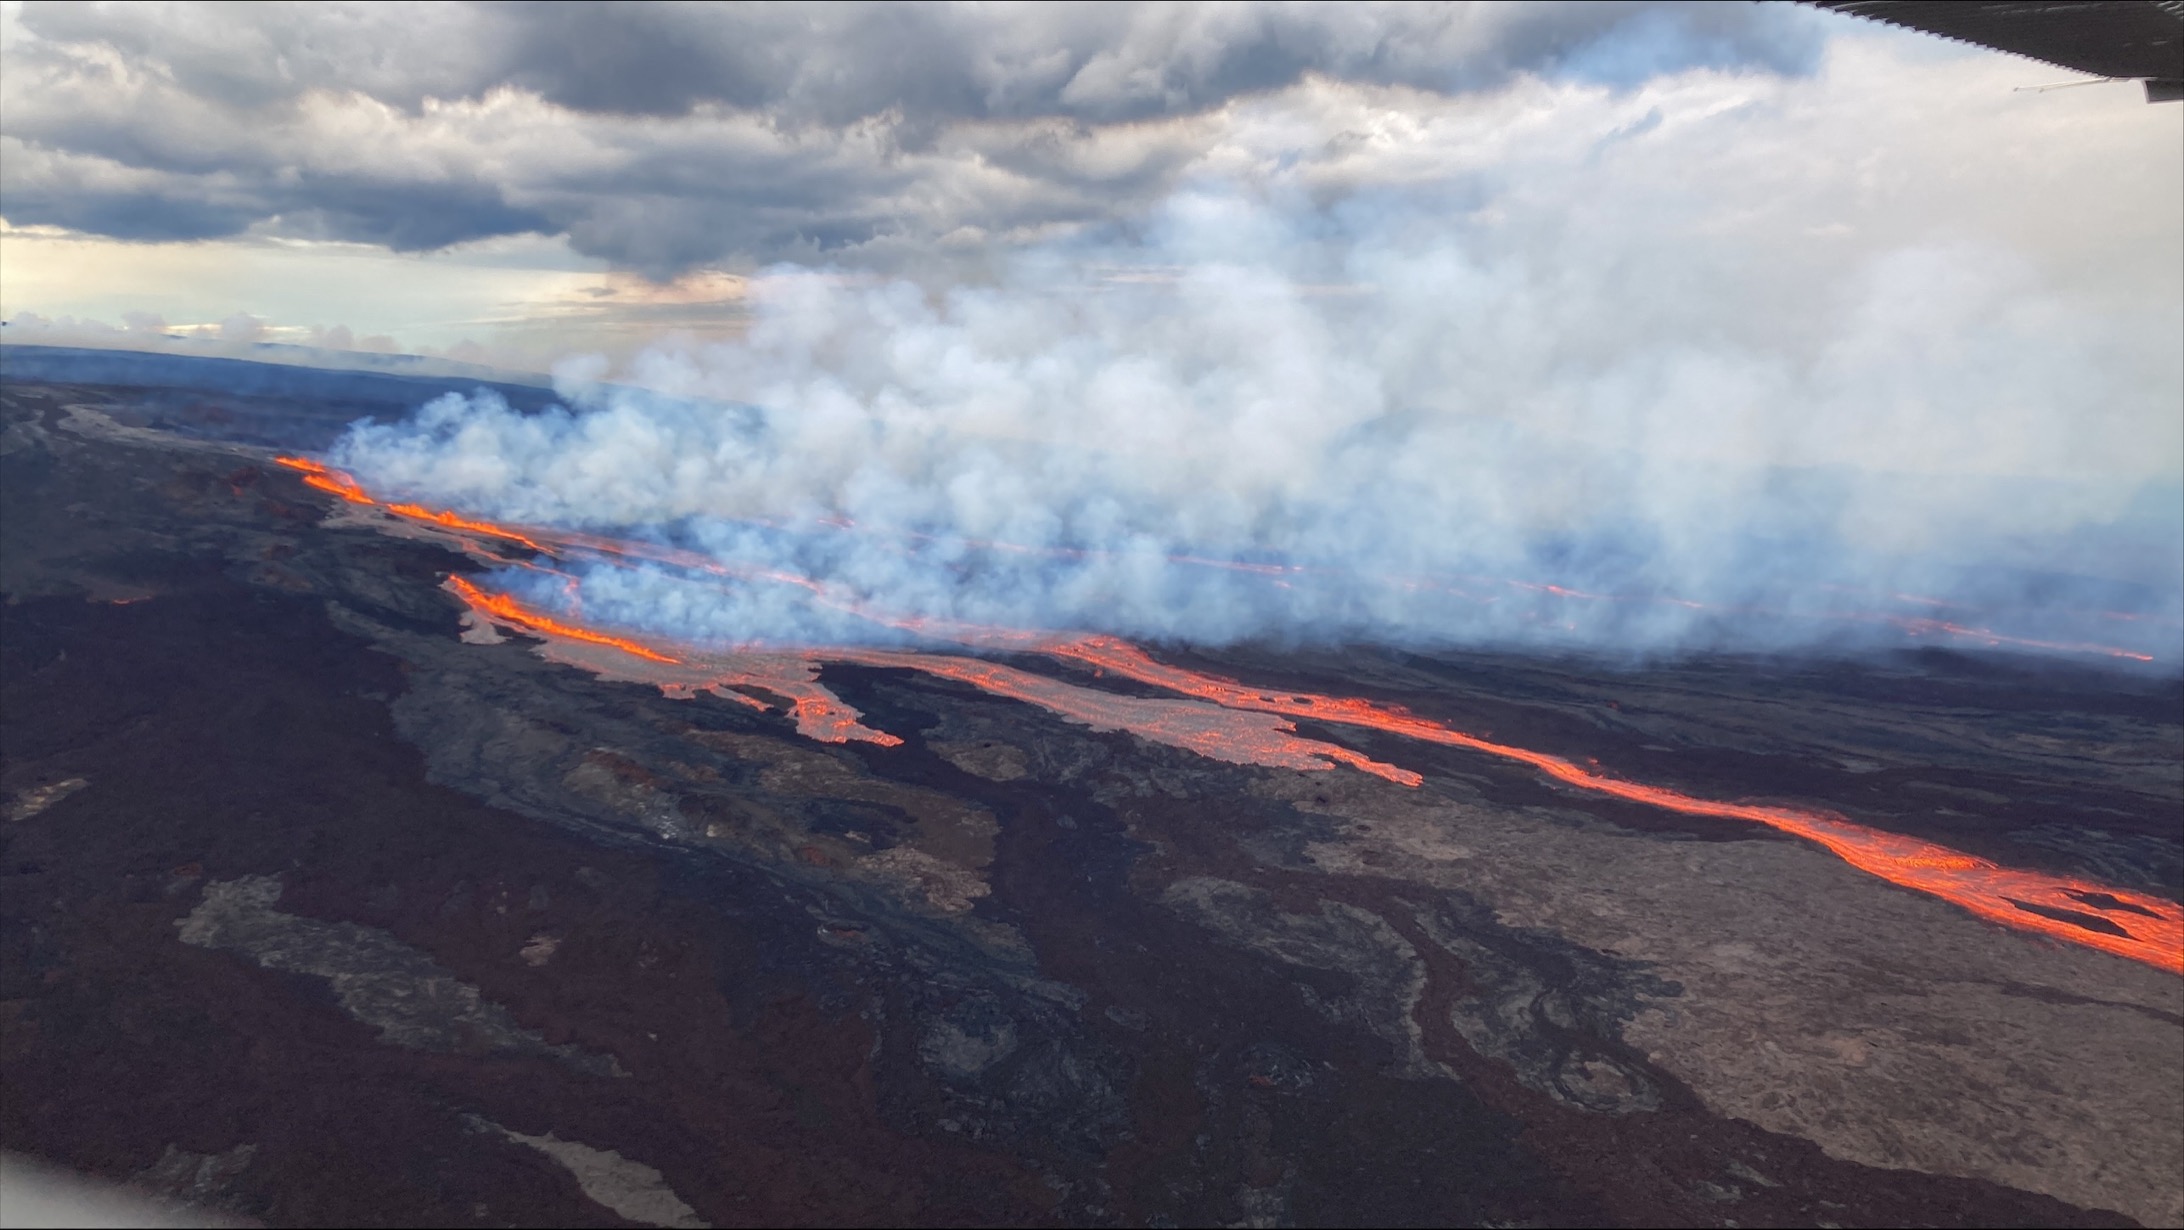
[{"x": 665, "y": 136}]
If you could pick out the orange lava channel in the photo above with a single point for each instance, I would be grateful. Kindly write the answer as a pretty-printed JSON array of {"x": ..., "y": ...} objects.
[
  {"x": 549, "y": 542},
  {"x": 2150, "y": 930},
  {"x": 1987, "y": 636},
  {"x": 2141, "y": 928},
  {"x": 829, "y": 721},
  {"x": 337, "y": 483},
  {"x": 501, "y": 606},
  {"x": 1215, "y": 732}
]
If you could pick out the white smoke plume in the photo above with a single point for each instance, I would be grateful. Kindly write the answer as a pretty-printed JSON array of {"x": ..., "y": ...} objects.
[{"x": 1635, "y": 349}]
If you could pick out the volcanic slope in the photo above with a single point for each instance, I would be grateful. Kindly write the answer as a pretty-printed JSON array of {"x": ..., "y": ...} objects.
[{"x": 325, "y": 905}]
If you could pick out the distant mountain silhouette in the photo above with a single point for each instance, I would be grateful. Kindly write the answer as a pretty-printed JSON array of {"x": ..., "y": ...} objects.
[{"x": 251, "y": 378}]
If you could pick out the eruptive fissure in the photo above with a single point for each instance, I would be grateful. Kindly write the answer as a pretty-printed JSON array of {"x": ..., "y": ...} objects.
[
  {"x": 504, "y": 609},
  {"x": 1228, "y": 720},
  {"x": 1482, "y": 590},
  {"x": 337, "y": 483}
]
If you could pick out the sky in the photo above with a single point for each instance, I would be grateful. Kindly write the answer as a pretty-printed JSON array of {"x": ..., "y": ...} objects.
[
  {"x": 536, "y": 180},
  {"x": 1559, "y": 283}
]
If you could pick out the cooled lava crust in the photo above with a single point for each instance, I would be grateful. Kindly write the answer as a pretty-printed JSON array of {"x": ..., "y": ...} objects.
[{"x": 317, "y": 913}]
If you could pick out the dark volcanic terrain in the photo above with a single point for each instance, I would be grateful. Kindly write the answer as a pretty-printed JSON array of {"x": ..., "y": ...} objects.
[{"x": 318, "y": 911}]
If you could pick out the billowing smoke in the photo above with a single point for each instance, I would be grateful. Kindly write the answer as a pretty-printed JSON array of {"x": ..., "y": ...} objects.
[{"x": 1732, "y": 407}]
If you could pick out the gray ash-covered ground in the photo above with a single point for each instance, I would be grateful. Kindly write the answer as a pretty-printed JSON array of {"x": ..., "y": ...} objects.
[{"x": 316, "y": 914}]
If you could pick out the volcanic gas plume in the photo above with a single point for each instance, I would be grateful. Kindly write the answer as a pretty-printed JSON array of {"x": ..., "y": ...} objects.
[
  {"x": 1220, "y": 718},
  {"x": 1245, "y": 422}
]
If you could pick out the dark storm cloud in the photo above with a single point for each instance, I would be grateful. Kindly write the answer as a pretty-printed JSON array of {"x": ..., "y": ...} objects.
[
  {"x": 407, "y": 217},
  {"x": 143, "y": 203},
  {"x": 1099, "y": 63},
  {"x": 664, "y": 136}
]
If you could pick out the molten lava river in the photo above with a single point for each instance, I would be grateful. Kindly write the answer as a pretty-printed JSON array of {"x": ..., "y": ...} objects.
[{"x": 1223, "y": 719}]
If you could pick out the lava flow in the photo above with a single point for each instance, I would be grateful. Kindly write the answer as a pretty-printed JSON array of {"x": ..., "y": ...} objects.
[
  {"x": 1214, "y": 731},
  {"x": 1227, "y": 720},
  {"x": 2154, "y": 935},
  {"x": 337, "y": 483},
  {"x": 1226, "y": 734},
  {"x": 1988, "y": 636},
  {"x": 503, "y": 607},
  {"x": 561, "y": 542}
]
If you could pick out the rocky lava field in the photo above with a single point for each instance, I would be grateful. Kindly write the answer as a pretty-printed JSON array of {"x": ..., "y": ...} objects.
[{"x": 329, "y": 902}]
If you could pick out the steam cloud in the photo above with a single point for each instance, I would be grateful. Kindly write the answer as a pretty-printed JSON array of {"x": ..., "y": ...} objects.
[
  {"x": 1743, "y": 353},
  {"x": 1409, "y": 410}
]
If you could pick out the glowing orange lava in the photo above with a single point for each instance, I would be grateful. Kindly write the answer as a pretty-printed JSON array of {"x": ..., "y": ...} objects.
[
  {"x": 1212, "y": 731},
  {"x": 1227, "y": 720},
  {"x": 1986, "y": 636},
  {"x": 2154, "y": 934},
  {"x": 505, "y": 608},
  {"x": 334, "y": 481},
  {"x": 552, "y": 542},
  {"x": 742, "y": 677}
]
